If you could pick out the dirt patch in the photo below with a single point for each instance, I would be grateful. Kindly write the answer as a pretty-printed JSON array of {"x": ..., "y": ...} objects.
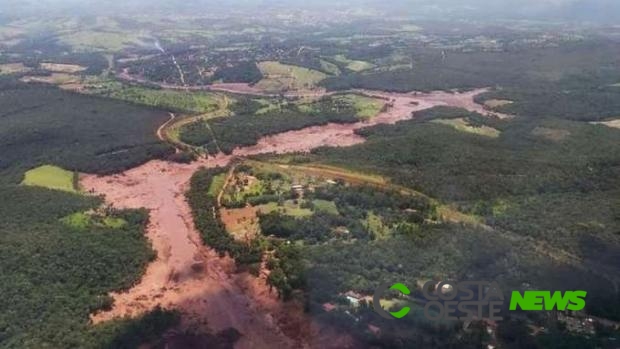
[
  {"x": 242, "y": 223},
  {"x": 610, "y": 123}
]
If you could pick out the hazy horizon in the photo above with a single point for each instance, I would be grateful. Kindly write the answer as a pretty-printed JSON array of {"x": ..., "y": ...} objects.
[{"x": 604, "y": 11}]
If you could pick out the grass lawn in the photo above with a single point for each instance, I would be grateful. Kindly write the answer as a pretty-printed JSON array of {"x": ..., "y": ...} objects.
[
  {"x": 289, "y": 209},
  {"x": 217, "y": 184},
  {"x": 326, "y": 206},
  {"x": 51, "y": 177}
]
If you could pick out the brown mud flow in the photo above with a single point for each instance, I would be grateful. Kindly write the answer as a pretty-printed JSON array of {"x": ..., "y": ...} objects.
[{"x": 190, "y": 277}]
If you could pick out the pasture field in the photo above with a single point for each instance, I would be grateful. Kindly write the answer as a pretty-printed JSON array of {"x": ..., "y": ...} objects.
[
  {"x": 280, "y": 77},
  {"x": 51, "y": 177},
  {"x": 353, "y": 65},
  {"x": 101, "y": 41},
  {"x": 365, "y": 107}
]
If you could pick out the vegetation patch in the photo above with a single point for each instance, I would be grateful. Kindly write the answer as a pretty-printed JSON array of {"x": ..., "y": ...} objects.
[
  {"x": 463, "y": 125},
  {"x": 280, "y": 77},
  {"x": 85, "y": 220},
  {"x": 496, "y": 103},
  {"x": 63, "y": 68},
  {"x": 51, "y": 177},
  {"x": 365, "y": 107},
  {"x": 104, "y": 41},
  {"x": 183, "y": 101},
  {"x": 551, "y": 134},
  {"x": 53, "y": 78},
  {"x": 354, "y": 65}
]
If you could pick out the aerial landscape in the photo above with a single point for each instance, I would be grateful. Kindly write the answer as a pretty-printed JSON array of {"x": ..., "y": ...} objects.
[{"x": 310, "y": 174}]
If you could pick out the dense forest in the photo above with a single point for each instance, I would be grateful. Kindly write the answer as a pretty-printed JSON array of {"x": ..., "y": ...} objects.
[
  {"x": 583, "y": 64},
  {"x": 55, "y": 272},
  {"x": 42, "y": 124}
]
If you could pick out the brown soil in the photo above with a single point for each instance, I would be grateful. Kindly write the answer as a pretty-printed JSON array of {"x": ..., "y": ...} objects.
[
  {"x": 191, "y": 278},
  {"x": 241, "y": 222}
]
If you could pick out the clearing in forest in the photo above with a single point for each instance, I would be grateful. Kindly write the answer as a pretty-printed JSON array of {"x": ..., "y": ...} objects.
[
  {"x": 51, "y": 177},
  {"x": 462, "y": 125}
]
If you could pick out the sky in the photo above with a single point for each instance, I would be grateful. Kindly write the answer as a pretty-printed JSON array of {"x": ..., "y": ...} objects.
[{"x": 588, "y": 10}]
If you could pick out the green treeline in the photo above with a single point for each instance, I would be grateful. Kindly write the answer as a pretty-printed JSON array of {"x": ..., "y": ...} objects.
[{"x": 209, "y": 224}]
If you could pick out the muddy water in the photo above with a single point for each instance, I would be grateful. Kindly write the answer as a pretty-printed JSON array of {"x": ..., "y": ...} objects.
[{"x": 190, "y": 277}]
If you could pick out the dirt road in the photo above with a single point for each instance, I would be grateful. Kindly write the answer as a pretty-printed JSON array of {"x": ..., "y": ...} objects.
[{"x": 190, "y": 277}]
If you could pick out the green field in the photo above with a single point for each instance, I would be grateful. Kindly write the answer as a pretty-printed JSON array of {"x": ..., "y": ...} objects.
[
  {"x": 280, "y": 77},
  {"x": 51, "y": 177},
  {"x": 289, "y": 208},
  {"x": 353, "y": 65},
  {"x": 184, "y": 101},
  {"x": 105, "y": 41},
  {"x": 365, "y": 107}
]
